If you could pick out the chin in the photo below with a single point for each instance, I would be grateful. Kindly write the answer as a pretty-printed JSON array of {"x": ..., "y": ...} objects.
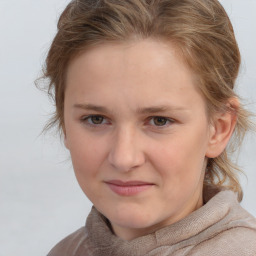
[{"x": 131, "y": 218}]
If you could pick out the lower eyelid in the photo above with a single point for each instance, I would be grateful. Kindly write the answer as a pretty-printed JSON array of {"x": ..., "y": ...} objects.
[
  {"x": 168, "y": 121},
  {"x": 85, "y": 120},
  {"x": 105, "y": 121}
]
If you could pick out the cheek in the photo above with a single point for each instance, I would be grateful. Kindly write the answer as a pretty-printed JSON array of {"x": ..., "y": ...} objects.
[
  {"x": 87, "y": 155},
  {"x": 181, "y": 159},
  {"x": 86, "y": 162}
]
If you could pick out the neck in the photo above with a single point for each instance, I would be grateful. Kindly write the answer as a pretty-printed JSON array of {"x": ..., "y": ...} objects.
[{"x": 129, "y": 234}]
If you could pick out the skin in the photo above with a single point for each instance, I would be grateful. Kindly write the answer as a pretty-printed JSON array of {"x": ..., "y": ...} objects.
[{"x": 128, "y": 87}]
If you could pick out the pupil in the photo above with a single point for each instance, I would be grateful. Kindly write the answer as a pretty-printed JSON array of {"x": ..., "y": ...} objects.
[
  {"x": 97, "y": 119},
  {"x": 159, "y": 121}
]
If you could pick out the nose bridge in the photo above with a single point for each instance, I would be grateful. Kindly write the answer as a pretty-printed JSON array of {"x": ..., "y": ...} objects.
[{"x": 126, "y": 151}]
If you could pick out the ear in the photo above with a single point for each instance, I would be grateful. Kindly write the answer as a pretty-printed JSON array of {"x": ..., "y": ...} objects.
[
  {"x": 222, "y": 129},
  {"x": 66, "y": 143}
]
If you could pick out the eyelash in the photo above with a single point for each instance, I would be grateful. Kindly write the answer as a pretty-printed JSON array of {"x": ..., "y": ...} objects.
[
  {"x": 168, "y": 121},
  {"x": 88, "y": 121}
]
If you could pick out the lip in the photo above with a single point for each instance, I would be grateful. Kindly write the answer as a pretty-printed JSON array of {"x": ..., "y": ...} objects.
[{"x": 128, "y": 188}]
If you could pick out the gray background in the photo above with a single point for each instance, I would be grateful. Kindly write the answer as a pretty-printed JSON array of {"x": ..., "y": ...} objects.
[{"x": 40, "y": 201}]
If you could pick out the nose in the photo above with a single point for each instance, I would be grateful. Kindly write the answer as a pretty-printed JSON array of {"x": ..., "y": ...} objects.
[{"x": 126, "y": 152}]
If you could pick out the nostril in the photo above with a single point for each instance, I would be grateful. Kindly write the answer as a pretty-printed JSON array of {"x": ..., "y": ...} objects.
[
  {"x": 126, "y": 161},
  {"x": 126, "y": 152}
]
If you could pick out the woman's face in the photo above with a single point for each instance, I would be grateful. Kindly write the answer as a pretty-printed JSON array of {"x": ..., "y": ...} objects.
[{"x": 138, "y": 134}]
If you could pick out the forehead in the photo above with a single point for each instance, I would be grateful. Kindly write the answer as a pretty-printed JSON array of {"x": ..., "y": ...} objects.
[
  {"x": 150, "y": 68},
  {"x": 145, "y": 53}
]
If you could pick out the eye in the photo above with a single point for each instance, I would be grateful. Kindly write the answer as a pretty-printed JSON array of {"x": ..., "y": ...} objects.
[
  {"x": 94, "y": 120},
  {"x": 160, "y": 121}
]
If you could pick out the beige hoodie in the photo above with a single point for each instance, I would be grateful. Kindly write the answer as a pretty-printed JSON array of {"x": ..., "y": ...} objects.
[{"x": 220, "y": 228}]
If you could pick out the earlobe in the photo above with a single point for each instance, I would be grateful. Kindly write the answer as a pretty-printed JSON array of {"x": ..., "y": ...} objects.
[
  {"x": 65, "y": 139},
  {"x": 66, "y": 142},
  {"x": 222, "y": 129}
]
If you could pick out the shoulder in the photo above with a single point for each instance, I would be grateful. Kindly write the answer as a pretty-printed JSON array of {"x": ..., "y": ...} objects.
[
  {"x": 234, "y": 233},
  {"x": 237, "y": 241},
  {"x": 71, "y": 245}
]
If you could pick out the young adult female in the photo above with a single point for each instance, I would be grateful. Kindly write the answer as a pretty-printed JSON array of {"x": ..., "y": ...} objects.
[{"x": 145, "y": 100}]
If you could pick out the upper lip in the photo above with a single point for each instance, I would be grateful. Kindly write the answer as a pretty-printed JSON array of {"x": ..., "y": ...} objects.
[{"x": 128, "y": 183}]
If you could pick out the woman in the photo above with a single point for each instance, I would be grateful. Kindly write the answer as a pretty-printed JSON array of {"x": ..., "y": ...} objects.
[{"x": 145, "y": 101}]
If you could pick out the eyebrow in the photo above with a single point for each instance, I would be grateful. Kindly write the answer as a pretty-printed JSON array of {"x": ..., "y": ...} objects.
[
  {"x": 158, "y": 109},
  {"x": 147, "y": 110},
  {"x": 92, "y": 107}
]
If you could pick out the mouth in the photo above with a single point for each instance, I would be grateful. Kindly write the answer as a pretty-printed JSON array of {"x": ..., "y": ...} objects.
[{"x": 128, "y": 188}]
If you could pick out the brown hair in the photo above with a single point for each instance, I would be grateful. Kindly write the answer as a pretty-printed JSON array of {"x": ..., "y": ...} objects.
[{"x": 200, "y": 29}]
